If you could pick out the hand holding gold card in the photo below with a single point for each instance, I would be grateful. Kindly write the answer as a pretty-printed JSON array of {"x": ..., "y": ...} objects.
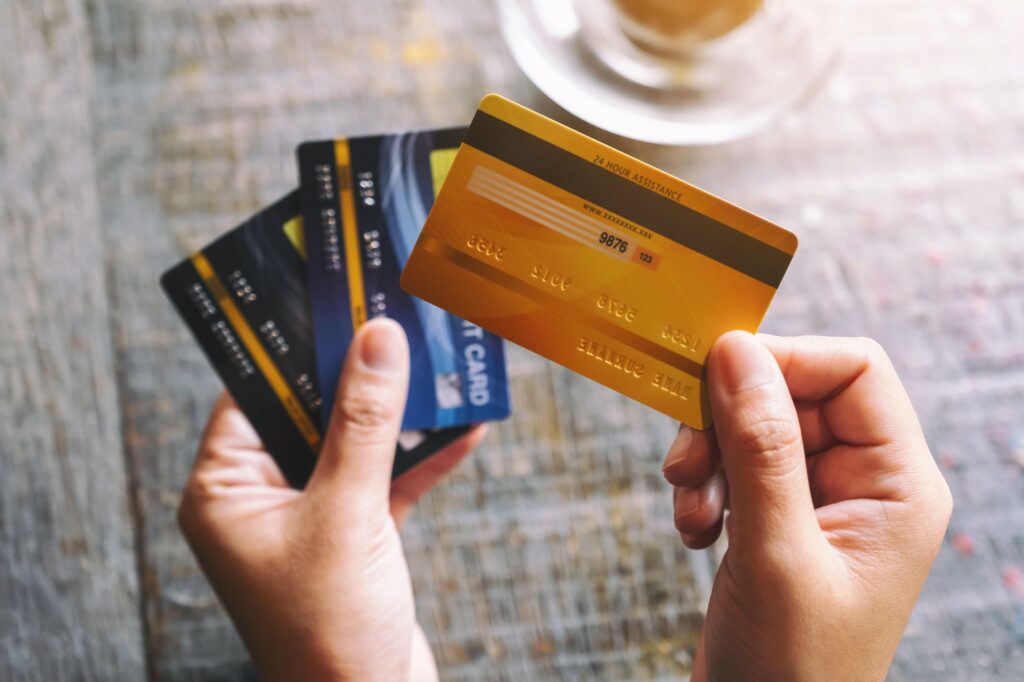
[{"x": 594, "y": 259}]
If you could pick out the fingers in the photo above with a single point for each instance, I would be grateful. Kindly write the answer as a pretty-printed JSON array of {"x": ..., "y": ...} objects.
[
  {"x": 876, "y": 446},
  {"x": 762, "y": 451},
  {"x": 862, "y": 400},
  {"x": 693, "y": 466},
  {"x": 231, "y": 464},
  {"x": 416, "y": 482},
  {"x": 698, "y": 511},
  {"x": 231, "y": 454},
  {"x": 359, "y": 450},
  {"x": 705, "y": 539},
  {"x": 227, "y": 425},
  {"x": 692, "y": 458},
  {"x": 817, "y": 434}
]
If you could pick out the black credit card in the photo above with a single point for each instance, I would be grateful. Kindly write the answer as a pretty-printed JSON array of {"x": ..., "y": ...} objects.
[{"x": 245, "y": 299}]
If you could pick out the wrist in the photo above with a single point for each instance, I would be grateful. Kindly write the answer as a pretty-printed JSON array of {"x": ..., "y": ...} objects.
[
  {"x": 318, "y": 660},
  {"x": 315, "y": 659}
]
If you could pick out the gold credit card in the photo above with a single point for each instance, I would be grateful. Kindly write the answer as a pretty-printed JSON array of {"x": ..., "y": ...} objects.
[{"x": 598, "y": 261}]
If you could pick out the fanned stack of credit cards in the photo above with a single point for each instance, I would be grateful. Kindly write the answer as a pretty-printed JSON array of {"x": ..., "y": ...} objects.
[
  {"x": 519, "y": 226},
  {"x": 275, "y": 303}
]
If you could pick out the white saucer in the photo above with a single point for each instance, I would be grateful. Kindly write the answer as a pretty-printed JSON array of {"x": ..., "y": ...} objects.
[{"x": 585, "y": 64}]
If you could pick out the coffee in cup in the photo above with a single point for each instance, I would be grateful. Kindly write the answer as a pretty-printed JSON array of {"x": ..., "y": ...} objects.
[{"x": 676, "y": 27}]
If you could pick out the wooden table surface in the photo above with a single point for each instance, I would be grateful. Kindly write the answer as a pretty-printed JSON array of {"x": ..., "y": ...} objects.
[{"x": 132, "y": 133}]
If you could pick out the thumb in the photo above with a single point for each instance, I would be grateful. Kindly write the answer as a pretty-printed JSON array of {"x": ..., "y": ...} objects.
[
  {"x": 762, "y": 450},
  {"x": 359, "y": 449}
]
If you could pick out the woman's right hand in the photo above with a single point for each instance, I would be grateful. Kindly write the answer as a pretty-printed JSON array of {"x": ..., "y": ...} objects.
[{"x": 836, "y": 508}]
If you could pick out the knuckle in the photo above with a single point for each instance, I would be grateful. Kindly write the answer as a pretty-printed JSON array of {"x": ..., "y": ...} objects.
[
  {"x": 872, "y": 351},
  {"x": 186, "y": 515},
  {"x": 368, "y": 411},
  {"x": 205, "y": 481},
  {"x": 944, "y": 506},
  {"x": 202, "y": 489},
  {"x": 927, "y": 518},
  {"x": 181, "y": 514},
  {"x": 869, "y": 345},
  {"x": 770, "y": 437},
  {"x": 935, "y": 531}
]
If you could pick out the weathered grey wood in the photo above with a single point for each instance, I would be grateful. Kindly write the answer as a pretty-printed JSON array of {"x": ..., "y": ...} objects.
[
  {"x": 884, "y": 177},
  {"x": 68, "y": 587},
  {"x": 551, "y": 553}
]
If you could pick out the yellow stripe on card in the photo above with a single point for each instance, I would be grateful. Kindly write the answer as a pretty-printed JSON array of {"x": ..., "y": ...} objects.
[
  {"x": 259, "y": 355},
  {"x": 350, "y": 234}
]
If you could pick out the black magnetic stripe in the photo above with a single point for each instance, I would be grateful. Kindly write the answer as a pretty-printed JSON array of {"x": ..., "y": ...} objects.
[{"x": 609, "y": 190}]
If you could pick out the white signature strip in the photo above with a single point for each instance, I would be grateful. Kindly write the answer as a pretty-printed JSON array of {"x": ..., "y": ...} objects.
[
  {"x": 586, "y": 223},
  {"x": 541, "y": 209},
  {"x": 529, "y": 208}
]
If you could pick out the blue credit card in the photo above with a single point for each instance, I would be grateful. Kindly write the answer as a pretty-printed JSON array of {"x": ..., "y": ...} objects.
[{"x": 364, "y": 201}]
